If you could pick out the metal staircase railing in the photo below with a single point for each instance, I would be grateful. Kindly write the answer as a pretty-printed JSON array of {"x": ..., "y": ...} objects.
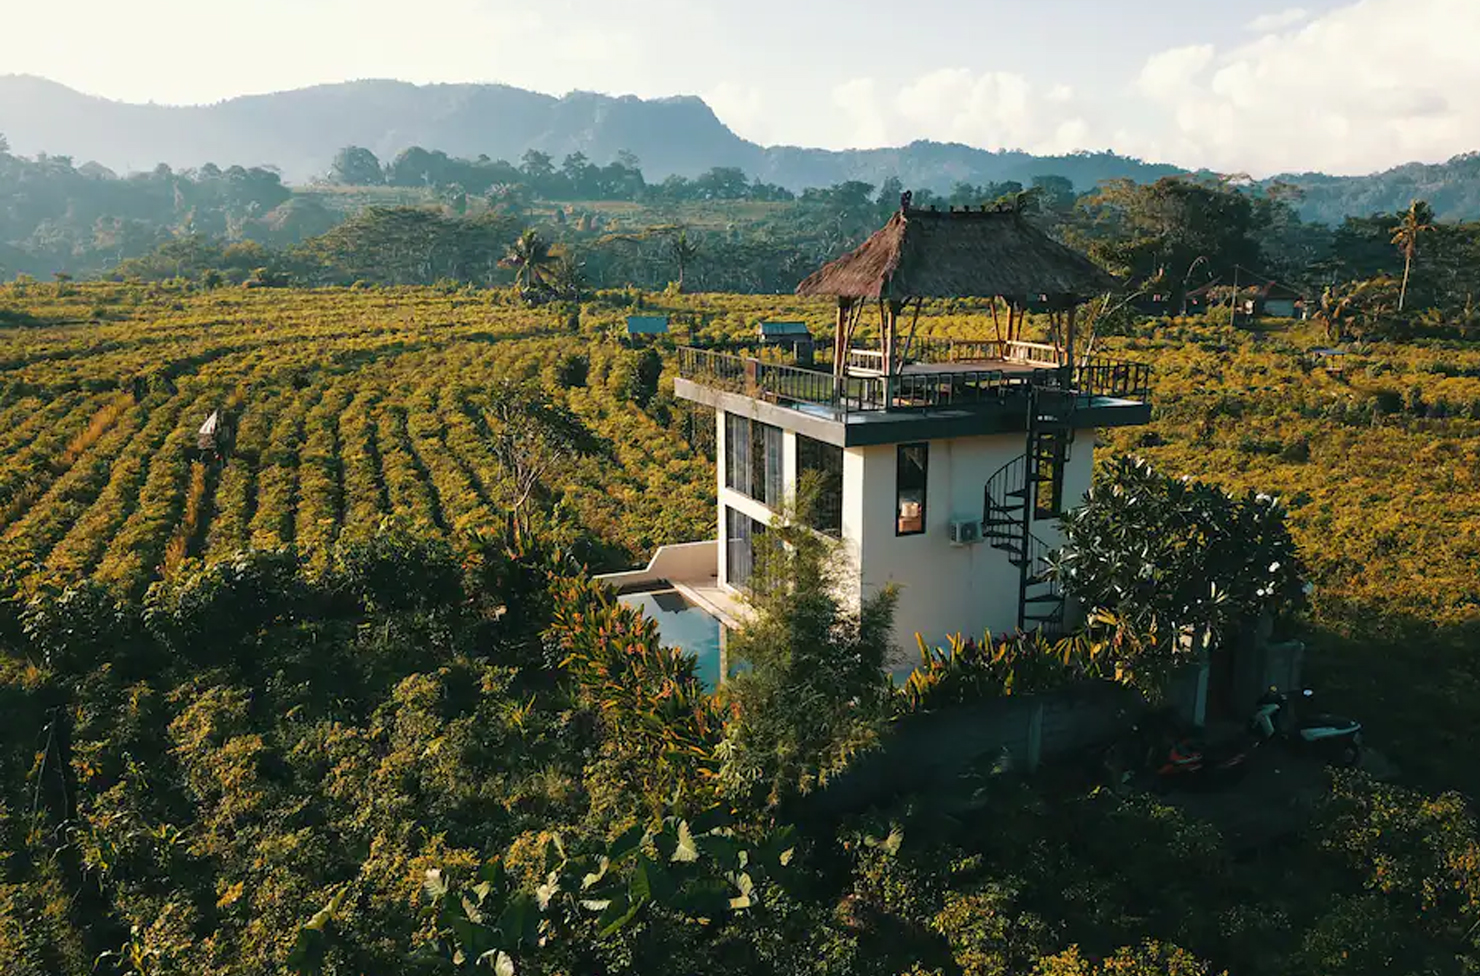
[{"x": 1026, "y": 488}]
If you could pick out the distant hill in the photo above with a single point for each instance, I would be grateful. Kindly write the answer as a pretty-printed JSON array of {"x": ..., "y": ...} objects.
[
  {"x": 299, "y": 132},
  {"x": 1451, "y": 188}
]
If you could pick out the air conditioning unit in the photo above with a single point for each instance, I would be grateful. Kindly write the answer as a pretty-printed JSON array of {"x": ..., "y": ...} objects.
[{"x": 966, "y": 532}]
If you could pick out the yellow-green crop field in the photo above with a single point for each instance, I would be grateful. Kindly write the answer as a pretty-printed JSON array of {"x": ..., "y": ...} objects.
[{"x": 351, "y": 405}]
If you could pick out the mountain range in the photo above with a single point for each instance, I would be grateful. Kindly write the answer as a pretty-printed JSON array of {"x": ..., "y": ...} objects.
[{"x": 299, "y": 131}]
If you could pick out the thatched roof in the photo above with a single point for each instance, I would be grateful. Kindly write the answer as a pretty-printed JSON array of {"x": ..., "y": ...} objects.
[{"x": 959, "y": 254}]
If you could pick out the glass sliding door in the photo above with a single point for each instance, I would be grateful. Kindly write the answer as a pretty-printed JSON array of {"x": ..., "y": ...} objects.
[{"x": 741, "y": 534}]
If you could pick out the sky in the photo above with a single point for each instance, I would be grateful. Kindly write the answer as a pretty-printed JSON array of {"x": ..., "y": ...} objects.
[{"x": 1239, "y": 86}]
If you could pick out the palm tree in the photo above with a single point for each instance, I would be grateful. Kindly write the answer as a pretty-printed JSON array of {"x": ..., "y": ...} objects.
[
  {"x": 529, "y": 256},
  {"x": 684, "y": 252},
  {"x": 567, "y": 278},
  {"x": 1416, "y": 220}
]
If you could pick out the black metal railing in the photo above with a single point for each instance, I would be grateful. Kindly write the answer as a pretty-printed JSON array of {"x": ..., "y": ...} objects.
[
  {"x": 1101, "y": 376},
  {"x": 785, "y": 383}
]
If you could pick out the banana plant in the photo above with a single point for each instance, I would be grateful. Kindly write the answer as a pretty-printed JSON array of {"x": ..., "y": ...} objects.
[{"x": 703, "y": 871}]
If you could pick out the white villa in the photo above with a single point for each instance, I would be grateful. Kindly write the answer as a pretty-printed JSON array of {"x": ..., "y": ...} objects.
[{"x": 945, "y": 464}]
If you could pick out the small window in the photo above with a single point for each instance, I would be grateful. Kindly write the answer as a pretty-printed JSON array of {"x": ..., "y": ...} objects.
[{"x": 909, "y": 488}]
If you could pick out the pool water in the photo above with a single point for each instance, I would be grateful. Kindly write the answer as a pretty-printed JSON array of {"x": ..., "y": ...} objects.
[{"x": 683, "y": 625}]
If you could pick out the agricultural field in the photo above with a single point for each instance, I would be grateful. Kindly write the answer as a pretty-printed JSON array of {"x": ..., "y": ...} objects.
[
  {"x": 353, "y": 405},
  {"x": 347, "y": 407}
]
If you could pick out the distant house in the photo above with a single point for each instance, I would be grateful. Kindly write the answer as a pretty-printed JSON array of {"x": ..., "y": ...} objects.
[
  {"x": 1280, "y": 301},
  {"x": 646, "y": 325},
  {"x": 1256, "y": 298},
  {"x": 1151, "y": 297},
  {"x": 793, "y": 336}
]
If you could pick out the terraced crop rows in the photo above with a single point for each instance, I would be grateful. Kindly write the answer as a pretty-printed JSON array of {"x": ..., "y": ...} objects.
[{"x": 346, "y": 407}]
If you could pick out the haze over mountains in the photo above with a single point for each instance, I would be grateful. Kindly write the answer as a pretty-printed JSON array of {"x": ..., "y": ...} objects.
[{"x": 299, "y": 131}]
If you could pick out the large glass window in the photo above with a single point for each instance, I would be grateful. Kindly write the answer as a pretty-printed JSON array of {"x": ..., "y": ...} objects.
[
  {"x": 741, "y": 533},
  {"x": 912, "y": 469},
  {"x": 822, "y": 464},
  {"x": 753, "y": 459},
  {"x": 737, "y": 454}
]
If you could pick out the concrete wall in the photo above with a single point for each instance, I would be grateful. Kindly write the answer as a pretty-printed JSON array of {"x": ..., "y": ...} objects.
[
  {"x": 686, "y": 562},
  {"x": 1018, "y": 732},
  {"x": 943, "y": 589}
]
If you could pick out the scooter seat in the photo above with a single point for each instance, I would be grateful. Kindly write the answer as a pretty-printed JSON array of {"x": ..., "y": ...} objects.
[{"x": 1328, "y": 721}]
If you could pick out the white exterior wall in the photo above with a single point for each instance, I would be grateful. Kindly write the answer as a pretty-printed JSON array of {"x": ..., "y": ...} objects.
[{"x": 944, "y": 590}]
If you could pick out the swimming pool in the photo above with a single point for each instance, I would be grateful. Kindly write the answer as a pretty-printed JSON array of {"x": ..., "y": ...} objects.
[{"x": 683, "y": 625}]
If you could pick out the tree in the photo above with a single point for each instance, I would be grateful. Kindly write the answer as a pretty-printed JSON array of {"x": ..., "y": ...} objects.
[
  {"x": 532, "y": 436},
  {"x": 530, "y": 257},
  {"x": 1417, "y": 220},
  {"x": 537, "y": 167},
  {"x": 356, "y": 166},
  {"x": 684, "y": 252},
  {"x": 567, "y": 278},
  {"x": 815, "y": 693},
  {"x": 1154, "y": 558},
  {"x": 1160, "y": 231}
]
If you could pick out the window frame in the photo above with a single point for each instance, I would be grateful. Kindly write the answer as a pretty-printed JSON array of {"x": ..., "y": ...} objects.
[
  {"x": 924, "y": 489},
  {"x": 826, "y": 461}
]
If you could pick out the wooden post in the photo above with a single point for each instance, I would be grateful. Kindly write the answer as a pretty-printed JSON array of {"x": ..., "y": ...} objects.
[
  {"x": 891, "y": 337},
  {"x": 1069, "y": 345},
  {"x": 840, "y": 339}
]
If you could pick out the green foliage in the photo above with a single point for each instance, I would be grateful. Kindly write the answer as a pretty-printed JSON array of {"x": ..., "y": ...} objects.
[
  {"x": 660, "y": 727},
  {"x": 814, "y": 693},
  {"x": 695, "y": 874},
  {"x": 1022, "y": 664},
  {"x": 1153, "y": 557}
]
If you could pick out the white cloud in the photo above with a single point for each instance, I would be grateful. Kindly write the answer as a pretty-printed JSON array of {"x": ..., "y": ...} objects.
[
  {"x": 1334, "y": 96},
  {"x": 1283, "y": 20},
  {"x": 1167, "y": 75},
  {"x": 742, "y": 108},
  {"x": 858, "y": 100}
]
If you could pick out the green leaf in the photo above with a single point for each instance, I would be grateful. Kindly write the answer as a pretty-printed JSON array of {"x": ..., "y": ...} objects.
[
  {"x": 554, "y": 853},
  {"x": 520, "y": 922},
  {"x": 621, "y": 911},
  {"x": 435, "y": 885},
  {"x": 724, "y": 850},
  {"x": 650, "y": 882},
  {"x": 705, "y": 898},
  {"x": 595, "y": 876},
  {"x": 625, "y": 843},
  {"x": 307, "y": 955},
  {"x": 685, "y": 851},
  {"x": 547, "y": 891}
]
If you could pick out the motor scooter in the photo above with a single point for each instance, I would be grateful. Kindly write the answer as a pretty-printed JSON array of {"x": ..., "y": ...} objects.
[{"x": 1337, "y": 738}]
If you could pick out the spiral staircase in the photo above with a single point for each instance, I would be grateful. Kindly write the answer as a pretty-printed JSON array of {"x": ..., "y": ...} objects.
[{"x": 1030, "y": 488}]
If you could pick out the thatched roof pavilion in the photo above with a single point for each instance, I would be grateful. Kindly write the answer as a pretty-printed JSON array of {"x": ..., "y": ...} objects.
[
  {"x": 987, "y": 253},
  {"x": 959, "y": 254}
]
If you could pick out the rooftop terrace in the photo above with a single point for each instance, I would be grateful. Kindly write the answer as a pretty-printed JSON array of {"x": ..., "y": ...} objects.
[{"x": 979, "y": 386}]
